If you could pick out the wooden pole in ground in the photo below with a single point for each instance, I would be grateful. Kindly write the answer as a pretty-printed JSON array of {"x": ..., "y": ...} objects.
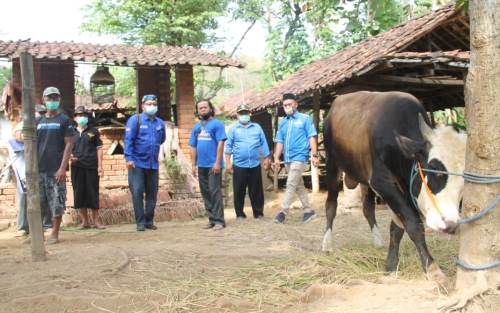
[
  {"x": 30, "y": 152},
  {"x": 314, "y": 169},
  {"x": 275, "y": 129},
  {"x": 480, "y": 241}
]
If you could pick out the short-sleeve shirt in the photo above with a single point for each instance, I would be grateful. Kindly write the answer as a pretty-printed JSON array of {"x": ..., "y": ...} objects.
[
  {"x": 85, "y": 148},
  {"x": 294, "y": 133},
  {"x": 51, "y": 132},
  {"x": 205, "y": 137}
]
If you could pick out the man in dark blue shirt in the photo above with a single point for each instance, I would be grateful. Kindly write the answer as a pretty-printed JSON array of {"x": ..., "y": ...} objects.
[
  {"x": 247, "y": 143},
  {"x": 207, "y": 146},
  {"x": 144, "y": 134}
]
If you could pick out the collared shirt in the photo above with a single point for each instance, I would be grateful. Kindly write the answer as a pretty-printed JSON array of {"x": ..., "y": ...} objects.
[
  {"x": 294, "y": 133},
  {"x": 142, "y": 143},
  {"x": 246, "y": 144},
  {"x": 87, "y": 142},
  {"x": 205, "y": 137}
]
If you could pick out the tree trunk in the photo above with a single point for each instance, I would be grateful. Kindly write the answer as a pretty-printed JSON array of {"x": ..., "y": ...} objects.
[
  {"x": 30, "y": 152},
  {"x": 480, "y": 241}
]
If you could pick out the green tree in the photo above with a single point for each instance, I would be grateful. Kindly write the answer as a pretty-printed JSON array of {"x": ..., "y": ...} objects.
[
  {"x": 5, "y": 75},
  {"x": 180, "y": 23}
]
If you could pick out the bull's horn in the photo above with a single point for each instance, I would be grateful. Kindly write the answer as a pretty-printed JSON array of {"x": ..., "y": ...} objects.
[{"x": 424, "y": 127}]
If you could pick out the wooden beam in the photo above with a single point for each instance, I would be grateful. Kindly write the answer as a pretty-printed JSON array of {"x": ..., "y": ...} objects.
[
  {"x": 452, "y": 34},
  {"x": 423, "y": 81},
  {"x": 314, "y": 169},
  {"x": 442, "y": 41}
]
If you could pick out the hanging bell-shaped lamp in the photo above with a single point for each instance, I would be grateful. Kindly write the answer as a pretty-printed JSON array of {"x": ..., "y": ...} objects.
[{"x": 102, "y": 85}]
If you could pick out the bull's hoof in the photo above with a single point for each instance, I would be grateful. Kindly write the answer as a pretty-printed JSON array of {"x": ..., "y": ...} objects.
[
  {"x": 327, "y": 245},
  {"x": 377, "y": 237},
  {"x": 435, "y": 274}
]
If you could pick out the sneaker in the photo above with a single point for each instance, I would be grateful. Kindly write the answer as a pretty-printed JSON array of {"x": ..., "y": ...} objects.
[
  {"x": 141, "y": 228},
  {"x": 152, "y": 227},
  {"x": 209, "y": 226},
  {"x": 280, "y": 218},
  {"x": 241, "y": 218},
  {"x": 308, "y": 216},
  {"x": 260, "y": 217},
  {"x": 218, "y": 227}
]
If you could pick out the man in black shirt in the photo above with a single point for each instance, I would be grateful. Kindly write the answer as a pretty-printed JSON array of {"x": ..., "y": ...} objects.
[
  {"x": 86, "y": 167},
  {"x": 55, "y": 134}
]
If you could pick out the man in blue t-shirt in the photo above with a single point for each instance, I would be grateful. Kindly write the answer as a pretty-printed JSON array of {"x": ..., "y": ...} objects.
[
  {"x": 295, "y": 137},
  {"x": 144, "y": 134},
  {"x": 207, "y": 146}
]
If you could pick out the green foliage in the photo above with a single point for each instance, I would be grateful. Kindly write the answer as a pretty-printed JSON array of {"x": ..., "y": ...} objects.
[
  {"x": 187, "y": 22},
  {"x": 207, "y": 83},
  {"x": 451, "y": 117},
  {"x": 173, "y": 169},
  {"x": 124, "y": 80},
  {"x": 5, "y": 75}
]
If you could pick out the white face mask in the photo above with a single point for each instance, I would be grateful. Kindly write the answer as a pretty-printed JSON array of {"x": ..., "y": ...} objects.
[{"x": 289, "y": 110}]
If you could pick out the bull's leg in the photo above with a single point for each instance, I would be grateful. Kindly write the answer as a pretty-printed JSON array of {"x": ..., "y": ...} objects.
[
  {"x": 396, "y": 233},
  {"x": 369, "y": 213},
  {"x": 386, "y": 186},
  {"x": 331, "y": 205}
]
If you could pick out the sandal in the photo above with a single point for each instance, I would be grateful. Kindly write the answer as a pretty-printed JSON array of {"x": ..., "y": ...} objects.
[
  {"x": 99, "y": 226},
  {"x": 82, "y": 227}
]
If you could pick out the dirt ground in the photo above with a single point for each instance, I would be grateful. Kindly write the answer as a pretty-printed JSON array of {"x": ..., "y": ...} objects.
[{"x": 251, "y": 266}]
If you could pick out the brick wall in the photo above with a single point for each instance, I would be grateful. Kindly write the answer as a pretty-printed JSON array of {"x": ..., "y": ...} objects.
[
  {"x": 156, "y": 81},
  {"x": 60, "y": 74},
  {"x": 7, "y": 200},
  {"x": 185, "y": 105}
]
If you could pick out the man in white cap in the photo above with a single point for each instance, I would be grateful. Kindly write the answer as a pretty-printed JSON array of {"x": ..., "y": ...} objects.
[{"x": 55, "y": 133}]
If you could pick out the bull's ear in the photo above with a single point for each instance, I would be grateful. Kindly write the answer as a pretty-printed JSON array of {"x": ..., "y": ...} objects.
[
  {"x": 425, "y": 129},
  {"x": 412, "y": 149}
]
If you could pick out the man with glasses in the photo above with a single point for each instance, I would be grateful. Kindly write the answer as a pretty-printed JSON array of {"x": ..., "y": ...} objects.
[{"x": 144, "y": 133}]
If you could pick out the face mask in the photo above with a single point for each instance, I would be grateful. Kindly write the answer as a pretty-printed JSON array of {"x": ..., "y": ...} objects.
[
  {"x": 52, "y": 105},
  {"x": 82, "y": 120},
  {"x": 289, "y": 110},
  {"x": 244, "y": 119},
  {"x": 151, "y": 109},
  {"x": 205, "y": 116}
]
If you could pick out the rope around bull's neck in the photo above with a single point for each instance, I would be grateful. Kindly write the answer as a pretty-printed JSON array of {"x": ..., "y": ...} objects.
[{"x": 471, "y": 178}]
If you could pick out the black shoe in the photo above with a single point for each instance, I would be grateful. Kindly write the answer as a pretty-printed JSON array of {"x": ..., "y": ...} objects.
[
  {"x": 152, "y": 227},
  {"x": 141, "y": 228}
]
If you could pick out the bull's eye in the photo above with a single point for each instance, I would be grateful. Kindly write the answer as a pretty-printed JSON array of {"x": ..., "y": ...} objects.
[{"x": 436, "y": 181}]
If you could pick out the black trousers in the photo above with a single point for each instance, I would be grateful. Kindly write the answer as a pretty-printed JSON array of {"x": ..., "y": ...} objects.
[
  {"x": 85, "y": 183},
  {"x": 251, "y": 178},
  {"x": 210, "y": 187}
]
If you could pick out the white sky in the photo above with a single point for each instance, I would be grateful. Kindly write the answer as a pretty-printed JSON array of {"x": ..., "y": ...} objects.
[{"x": 59, "y": 20}]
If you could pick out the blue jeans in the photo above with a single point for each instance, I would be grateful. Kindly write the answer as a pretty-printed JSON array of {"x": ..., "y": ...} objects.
[{"x": 143, "y": 181}]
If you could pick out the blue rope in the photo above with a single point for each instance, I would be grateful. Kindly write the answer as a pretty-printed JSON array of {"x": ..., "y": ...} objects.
[{"x": 472, "y": 178}]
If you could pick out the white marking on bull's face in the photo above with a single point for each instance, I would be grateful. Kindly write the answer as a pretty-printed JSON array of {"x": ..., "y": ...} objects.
[{"x": 448, "y": 150}]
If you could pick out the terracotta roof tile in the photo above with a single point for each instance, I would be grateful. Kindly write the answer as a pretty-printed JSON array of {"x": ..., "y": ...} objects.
[
  {"x": 148, "y": 55},
  {"x": 344, "y": 64}
]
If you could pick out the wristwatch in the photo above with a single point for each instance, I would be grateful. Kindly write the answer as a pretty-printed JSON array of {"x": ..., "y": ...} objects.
[{"x": 315, "y": 155}]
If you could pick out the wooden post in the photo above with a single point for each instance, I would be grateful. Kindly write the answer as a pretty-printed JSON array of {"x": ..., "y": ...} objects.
[
  {"x": 275, "y": 129},
  {"x": 314, "y": 169},
  {"x": 480, "y": 240},
  {"x": 30, "y": 152}
]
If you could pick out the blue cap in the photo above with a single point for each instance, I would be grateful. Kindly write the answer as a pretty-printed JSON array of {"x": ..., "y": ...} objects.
[{"x": 149, "y": 98}]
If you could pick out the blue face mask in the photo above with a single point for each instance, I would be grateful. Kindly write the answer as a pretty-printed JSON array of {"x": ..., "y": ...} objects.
[
  {"x": 52, "y": 105},
  {"x": 82, "y": 120},
  {"x": 150, "y": 109},
  {"x": 244, "y": 119}
]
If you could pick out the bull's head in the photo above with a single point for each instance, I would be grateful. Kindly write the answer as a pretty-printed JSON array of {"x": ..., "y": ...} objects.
[{"x": 443, "y": 149}]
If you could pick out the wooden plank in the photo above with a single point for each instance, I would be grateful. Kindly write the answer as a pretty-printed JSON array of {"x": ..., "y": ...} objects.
[
  {"x": 30, "y": 152},
  {"x": 452, "y": 34},
  {"x": 423, "y": 81}
]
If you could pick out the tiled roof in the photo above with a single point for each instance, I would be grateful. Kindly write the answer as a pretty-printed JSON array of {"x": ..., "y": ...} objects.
[
  {"x": 148, "y": 55},
  {"x": 347, "y": 63}
]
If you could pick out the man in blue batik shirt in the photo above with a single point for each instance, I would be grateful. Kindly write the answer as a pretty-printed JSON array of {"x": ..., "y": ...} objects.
[
  {"x": 144, "y": 134},
  {"x": 247, "y": 143},
  {"x": 296, "y": 136},
  {"x": 207, "y": 146}
]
